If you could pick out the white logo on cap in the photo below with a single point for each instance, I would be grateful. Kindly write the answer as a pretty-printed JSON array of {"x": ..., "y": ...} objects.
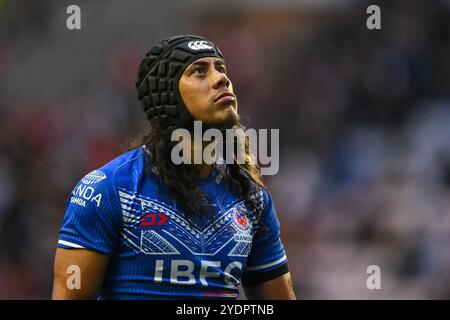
[{"x": 199, "y": 45}]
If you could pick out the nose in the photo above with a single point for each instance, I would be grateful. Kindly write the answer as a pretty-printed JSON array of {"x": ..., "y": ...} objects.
[{"x": 220, "y": 79}]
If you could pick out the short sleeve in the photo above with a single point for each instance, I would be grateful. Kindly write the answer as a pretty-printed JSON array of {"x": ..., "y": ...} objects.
[
  {"x": 92, "y": 219},
  {"x": 267, "y": 259}
]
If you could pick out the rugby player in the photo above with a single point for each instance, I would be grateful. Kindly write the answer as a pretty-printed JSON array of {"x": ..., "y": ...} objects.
[{"x": 143, "y": 227}]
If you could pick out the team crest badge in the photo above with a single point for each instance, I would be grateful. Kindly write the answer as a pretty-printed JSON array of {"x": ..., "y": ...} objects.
[{"x": 240, "y": 219}]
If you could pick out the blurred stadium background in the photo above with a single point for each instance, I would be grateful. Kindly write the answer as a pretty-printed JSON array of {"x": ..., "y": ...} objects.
[{"x": 364, "y": 123}]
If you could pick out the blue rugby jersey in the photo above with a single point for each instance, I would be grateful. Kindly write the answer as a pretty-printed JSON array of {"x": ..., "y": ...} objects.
[{"x": 155, "y": 252}]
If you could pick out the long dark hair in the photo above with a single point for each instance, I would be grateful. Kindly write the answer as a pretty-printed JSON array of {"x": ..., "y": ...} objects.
[{"x": 245, "y": 179}]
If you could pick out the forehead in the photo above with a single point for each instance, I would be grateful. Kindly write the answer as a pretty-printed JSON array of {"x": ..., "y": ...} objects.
[{"x": 207, "y": 60}]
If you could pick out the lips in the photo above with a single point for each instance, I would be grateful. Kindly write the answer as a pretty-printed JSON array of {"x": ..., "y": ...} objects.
[{"x": 225, "y": 96}]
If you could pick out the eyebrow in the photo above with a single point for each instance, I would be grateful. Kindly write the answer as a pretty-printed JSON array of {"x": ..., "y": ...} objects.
[{"x": 204, "y": 63}]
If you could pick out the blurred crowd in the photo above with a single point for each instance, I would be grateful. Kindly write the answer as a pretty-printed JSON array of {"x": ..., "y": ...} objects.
[{"x": 364, "y": 119}]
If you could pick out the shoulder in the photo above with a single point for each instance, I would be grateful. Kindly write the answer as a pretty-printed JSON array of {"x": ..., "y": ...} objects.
[
  {"x": 107, "y": 177},
  {"x": 128, "y": 162},
  {"x": 261, "y": 197}
]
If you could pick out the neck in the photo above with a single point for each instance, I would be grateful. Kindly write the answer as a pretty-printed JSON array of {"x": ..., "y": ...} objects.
[{"x": 204, "y": 168}]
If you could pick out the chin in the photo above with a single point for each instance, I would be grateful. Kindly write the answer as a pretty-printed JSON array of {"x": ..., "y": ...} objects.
[
  {"x": 227, "y": 120},
  {"x": 230, "y": 122}
]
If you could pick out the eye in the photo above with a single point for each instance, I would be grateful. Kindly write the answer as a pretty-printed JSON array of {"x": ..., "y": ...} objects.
[
  {"x": 199, "y": 70},
  {"x": 222, "y": 69}
]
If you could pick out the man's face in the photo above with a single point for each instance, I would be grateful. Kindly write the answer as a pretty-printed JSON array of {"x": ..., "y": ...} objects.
[{"x": 203, "y": 86}]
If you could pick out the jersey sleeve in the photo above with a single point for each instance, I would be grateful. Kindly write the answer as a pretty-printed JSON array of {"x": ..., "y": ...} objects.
[
  {"x": 92, "y": 218},
  {"x": 267, "y": 259}
]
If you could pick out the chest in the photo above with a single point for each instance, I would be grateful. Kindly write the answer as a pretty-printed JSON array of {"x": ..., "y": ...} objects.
[{"x": 154, "y": 227}]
